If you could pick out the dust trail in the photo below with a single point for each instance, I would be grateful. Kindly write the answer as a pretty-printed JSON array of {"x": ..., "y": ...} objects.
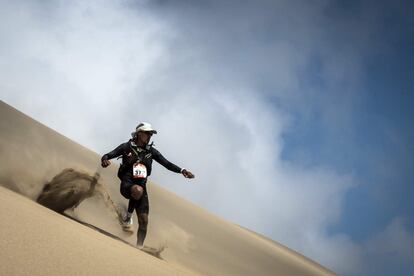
[
  {"x": 70, "y": 187},
  {"x": 156, "y": 252}
]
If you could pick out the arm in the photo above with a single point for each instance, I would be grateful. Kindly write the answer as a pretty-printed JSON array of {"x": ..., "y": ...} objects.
[
  {"x": 164, "y": 162},
  {"x": 115, "y": 153},
  {"x": 168, "y": 165}
]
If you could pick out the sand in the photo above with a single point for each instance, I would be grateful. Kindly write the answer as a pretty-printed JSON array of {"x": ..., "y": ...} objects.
[
  {"x": 37, "y": 241},
  {"x": 83, "y": 237}
]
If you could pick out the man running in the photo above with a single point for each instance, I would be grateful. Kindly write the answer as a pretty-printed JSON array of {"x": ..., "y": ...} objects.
[{"x": 137, "y": 155}]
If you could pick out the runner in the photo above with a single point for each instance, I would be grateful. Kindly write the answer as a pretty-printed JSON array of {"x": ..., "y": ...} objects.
[{"x": 137, "y": 155}]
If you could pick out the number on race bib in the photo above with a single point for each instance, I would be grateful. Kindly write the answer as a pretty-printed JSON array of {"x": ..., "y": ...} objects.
[{"x": 139, "y": 170}]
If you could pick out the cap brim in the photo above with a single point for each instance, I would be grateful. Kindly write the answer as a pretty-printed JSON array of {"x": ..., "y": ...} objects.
[{"x": 153, "y": 131}]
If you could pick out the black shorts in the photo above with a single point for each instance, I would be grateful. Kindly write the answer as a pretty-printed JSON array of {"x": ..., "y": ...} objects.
[{"x": 142, "y": 205}]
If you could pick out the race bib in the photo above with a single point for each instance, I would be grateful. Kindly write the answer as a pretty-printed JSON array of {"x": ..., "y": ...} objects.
[{"x": 139, "y": 170}]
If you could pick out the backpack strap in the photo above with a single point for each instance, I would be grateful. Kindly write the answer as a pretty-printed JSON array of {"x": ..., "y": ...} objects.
[{"x": 137, "y": 150}]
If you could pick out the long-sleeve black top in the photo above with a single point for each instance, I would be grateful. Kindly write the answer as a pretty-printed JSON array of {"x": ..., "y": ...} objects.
[{"x": 131, "y": 154}]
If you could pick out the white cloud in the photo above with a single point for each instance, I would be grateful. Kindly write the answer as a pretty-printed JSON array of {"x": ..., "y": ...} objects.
[
  {"x": 77, "y": 58},
  {"x": 390, "y": 251}
]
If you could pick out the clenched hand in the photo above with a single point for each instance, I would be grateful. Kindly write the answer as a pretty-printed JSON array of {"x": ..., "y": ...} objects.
[
  {"x": 187, "y": 174},
  {"x": 105, "y": 163}
]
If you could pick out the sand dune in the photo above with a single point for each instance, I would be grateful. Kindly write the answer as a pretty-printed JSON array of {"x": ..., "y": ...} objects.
[
  {"x": 37, "y": 241},
  {"x": 43, "y": 165}
]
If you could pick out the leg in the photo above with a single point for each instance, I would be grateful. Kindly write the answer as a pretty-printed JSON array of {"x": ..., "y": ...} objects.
[
  {"x": 142, "y": 229},
  {"x": 136, "y": 192},
  {"x": 142, "y": 209},
  {"x": 132, "y": 192},
  {"x": 131, "y": 207}
]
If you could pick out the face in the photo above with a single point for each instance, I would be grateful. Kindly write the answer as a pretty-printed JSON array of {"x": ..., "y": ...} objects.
[{"x": 144, "y": 137}]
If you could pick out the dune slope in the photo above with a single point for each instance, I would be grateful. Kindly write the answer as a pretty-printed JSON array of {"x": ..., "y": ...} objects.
[
  {"x": 37, "y": 162},
  {"x": 37, "y": 241}
]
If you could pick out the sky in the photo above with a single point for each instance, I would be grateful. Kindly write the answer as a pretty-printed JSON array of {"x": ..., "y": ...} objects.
[{"x": 294, "y": 115}]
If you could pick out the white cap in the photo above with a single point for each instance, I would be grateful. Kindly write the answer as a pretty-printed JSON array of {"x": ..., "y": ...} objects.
[{"x": 145, "y": 127}]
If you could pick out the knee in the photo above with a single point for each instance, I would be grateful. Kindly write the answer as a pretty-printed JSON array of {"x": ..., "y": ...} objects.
[{"x": 136, "y": 192}]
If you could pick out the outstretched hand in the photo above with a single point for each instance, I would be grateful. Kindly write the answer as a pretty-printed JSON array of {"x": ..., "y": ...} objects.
[
  {"x": 105, "y": 163},
  {"x": 187, "y": 174}
]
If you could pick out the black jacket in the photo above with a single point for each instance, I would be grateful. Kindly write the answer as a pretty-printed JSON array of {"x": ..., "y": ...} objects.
[{"x": 131, "y": 154}]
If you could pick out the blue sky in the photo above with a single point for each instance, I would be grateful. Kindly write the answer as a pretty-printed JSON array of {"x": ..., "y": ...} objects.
[
  {"x": 376, "y": 147},
  {"x": 302, "y": 107},
  {"x": 380, "y": 133}
]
